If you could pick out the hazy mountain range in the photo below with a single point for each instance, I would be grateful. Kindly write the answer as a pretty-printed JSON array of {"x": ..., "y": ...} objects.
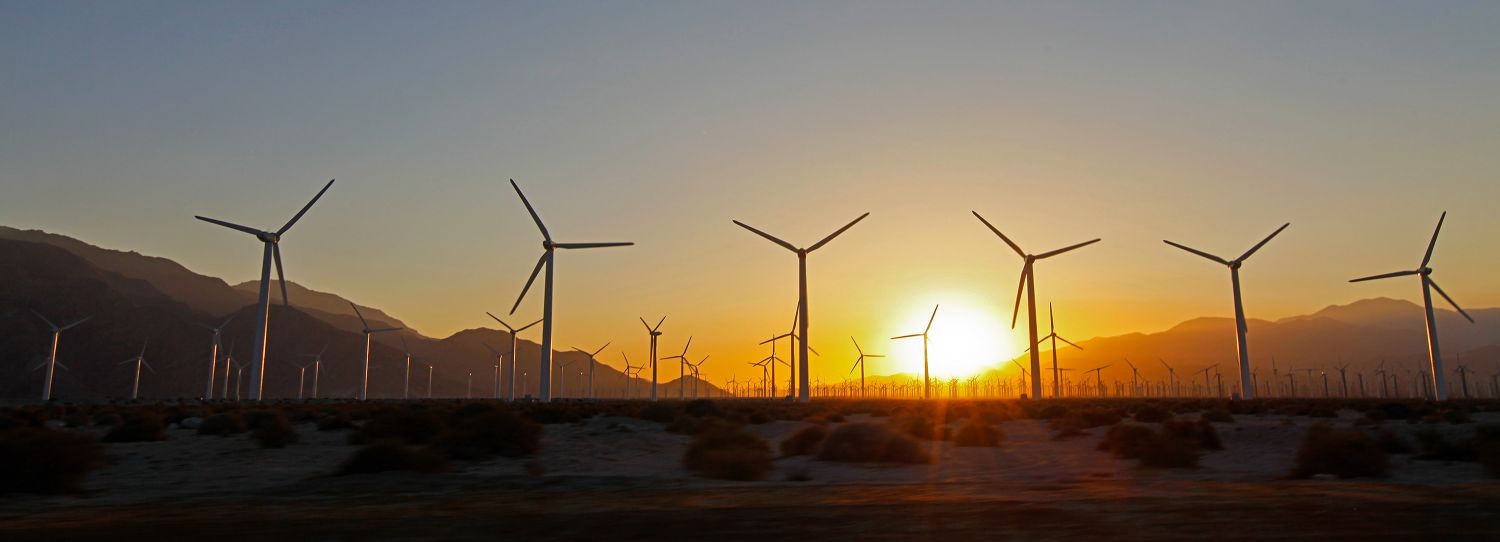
[{"x": 134, "y": 297}]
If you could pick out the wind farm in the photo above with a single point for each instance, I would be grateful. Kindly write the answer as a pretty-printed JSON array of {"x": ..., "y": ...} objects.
[{"x": 384, "y": 391}]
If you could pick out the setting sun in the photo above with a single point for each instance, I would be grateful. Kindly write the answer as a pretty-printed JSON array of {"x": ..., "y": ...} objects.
[{"x": 966, "y": 338}]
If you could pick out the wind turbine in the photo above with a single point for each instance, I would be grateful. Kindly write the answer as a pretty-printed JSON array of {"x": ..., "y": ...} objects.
[
  {"x": 511, "y": 394},
  {"x": 773, "y": 360},
  {"x": 1099, "y": 376},
  {"x": 1344, "y": 379},
  {"x": 803, "y": 393},
  {"x": 1135, "y": 375},
  {"x": 272, "y": 244},
  {"x": 364, "y": 382},
  {"x": 52, "y": 358},
  {"x": 406, "y": 382},
  {"x": 1438, "y": 383},
  {"x": 301, "y": 380},
  {"x": 632, "y": 373},
  {"x": 926, "y": 378},
  {"x": 499, "y": 363},
  {"x": 697, "y": 377},
  {"x": 140, "y": 361},
  {"x": 654, "y": 332},
  {"x": 1171, "y": 377},
  {"x": 213, "y": 358},
  {"x": 859, "y": 363},
  {"x": 1028, "y": 283},
  {"x": 544, "y": 370},
  {"x": 1240, "y": 328},
  {"x": 682, "y": 368},
  {"x": 1024, "y": 372},
  {"x": 228, "y": 362},
  {"x": 592, "y": 363},
  {"x": 317, "y": 368},
  {"x": 1054, "y": 337}
]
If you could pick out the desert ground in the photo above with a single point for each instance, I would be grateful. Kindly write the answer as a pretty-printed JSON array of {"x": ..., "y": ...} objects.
[{"x": 613, "y": 476}]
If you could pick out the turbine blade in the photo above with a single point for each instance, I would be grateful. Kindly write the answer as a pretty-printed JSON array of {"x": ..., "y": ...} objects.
[
  {"x": 1262, "y": 243},
  {"x": 228, "y": 320},
  {"x": 932, "y": 319},
  {"x": 874, "y": 355},
  {"x": 534, "y": 272},
  {"x": 44, "y": 319},
  {"x": 309, "y": 205},
  {"x": 1386, "y": 276},
  {"x": 1198, "y": 252},
  {"x": 230, "y": 225},
  {"x": 1070, "y": 343},
  {"x": 1433, "y": 243},
  {"x": 648, "y": 326},
  {"x": 659, "y": 323},
  {"x": 502, "y": 322},
  {"x": 280, "y": 275},
  {"x": 856, "y": 346},
  {"x": 772, "y": 238},
  {"x": 590, "y": 245},
  {"x": 907, "y": 336},
  {"x": 531, "y": 210},
  {"x": 1450, "y": 300},
  {"x": 1021, "y": 288},
  {"x": 601, "y": 349},
  {"x": 856, "y": 365},
  {"x": 836, "y": 234},
  {"x": 528, "y": 326},
  {"x": 1013, "y": 245},
  {"x": 361, "y": 316},
  {"x": 385, "y": 329},
  {"x": 407, "y": 348},
  {"x": 1068, "y": 248},
  {"x": 75, "y": 324}
]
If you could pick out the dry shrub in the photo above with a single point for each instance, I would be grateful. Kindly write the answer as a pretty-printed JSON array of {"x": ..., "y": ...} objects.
[
  {"x": 1201, "y": 432},
  {"x": 1126, "y": 440},
  {"x": 1085, "y": 418},
  {"x": 1346, "y": 454},
  {"x": 398, "y": 425},
  {"x": 805, "y": 441},
  {"x": 728, "y": 453},
  {"x": 46, "y": 461},
  {"x": 1217, "y": 415},
  {"x": 389, "y": 456},
  {"x": 921, "y": 426},
  {"x": 871, "y": 443},
  {"x": 1392, "y": 442},
  {"x": 500, "y": 433},
  {"x": 140, "y": 426},
  {"x": 1162, "y": 451},
  {"x": 977, "y": 432},
  {"x": 222, "y": 425},
  {"x": 702, "y": 408},
  {"x": 1151, "y": 414},
  {"x": 1436, "y": 447},
  {"x": 658, "y": 412},
  {"x": 274, "y": 432},
  {"x": 338, "y": 421}
]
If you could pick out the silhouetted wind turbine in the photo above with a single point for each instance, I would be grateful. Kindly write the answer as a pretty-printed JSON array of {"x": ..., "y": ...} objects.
[
  {"x": 697, "y": 377},
  {"x": 1099, "y": 376},
  {"x": 804, "y": 394},
  {"x": 499, "y": 363},
  {"x": 682, "y": 368},
  {"x": 1028, "y": 283},
  {"x": 1240, "y": 328},
  {"x": 1054, "y": 337},
  {"x": 1135, "y": 375},
  {"x": 140, "y": 361},
  {"x": 592, "y": 363},
  {"x": 1171, "y": 377},
  {"x": 545, "y": 364},
  {"x": 859, "y": 363},
  {"x": 511, "y": 393},
  {"x": 272, "y": 243},
  {"x": 1438, "y": 383},
  {"x": 654, "y": 332},
  {"x": 926, "y": 377},
  {"x": 213, "y": 361},
  {"x": 364, "y": 382},
  {"x": 301, "y": 380},
  {"x": 317, "y": 368},
  {"x": 52, "y": 358}
]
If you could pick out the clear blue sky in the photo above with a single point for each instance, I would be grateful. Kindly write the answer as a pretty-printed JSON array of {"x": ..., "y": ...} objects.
[{"x": 656, "y": 122}]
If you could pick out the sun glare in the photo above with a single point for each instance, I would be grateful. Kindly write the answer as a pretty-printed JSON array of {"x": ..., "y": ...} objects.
[{"x": 965, "y": 340}]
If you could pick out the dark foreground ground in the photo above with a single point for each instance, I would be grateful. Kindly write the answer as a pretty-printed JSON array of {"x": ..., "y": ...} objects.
[{"x": 551, "y": 510}]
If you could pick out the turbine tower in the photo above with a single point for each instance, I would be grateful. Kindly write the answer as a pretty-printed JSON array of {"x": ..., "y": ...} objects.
[
  {"x": 272, "y": 251},
  {"x": 544, "y": 369},
  {"x": 511, "y": 394},
  {"x": 1437, "y": 384},
  {"x": 364, "y": 381},
  {"x": 213, "y": 357},
  {"x": 655, "y": 332},
  {"x": 803, "y": 392},
  {"x": 1247, "y": 391},
  {"x": 140, "y": 361},
  {"x": 926, "y": 376},
  {"x": 592, "y": 363},
  {"x": 1028, "y": 283},
  {"x": 859, "y": 363},
  {"x": 52, "y": 358},
  {"x": 682, "y": 368}
]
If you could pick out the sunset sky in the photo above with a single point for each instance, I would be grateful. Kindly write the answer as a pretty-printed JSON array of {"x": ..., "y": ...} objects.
[{"x": 658, "y": 123}]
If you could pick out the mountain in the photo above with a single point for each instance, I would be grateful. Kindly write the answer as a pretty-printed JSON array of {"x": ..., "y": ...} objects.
[{"x": 323, "y": 302}]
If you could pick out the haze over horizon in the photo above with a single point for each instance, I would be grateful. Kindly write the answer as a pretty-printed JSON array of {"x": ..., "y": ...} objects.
[{"x": 1207, "y": 125}]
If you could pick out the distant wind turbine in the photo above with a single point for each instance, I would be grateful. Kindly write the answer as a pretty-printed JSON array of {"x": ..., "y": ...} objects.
[
  {"x": 804, "y": 393},
  {"x": 592, "y": 363},
  {"x": 272, "y": 242},
  {"x": 1028, "y": 283},
  {"x": 1438, "y": 387},
  {"x": 511, "y": 393},
  {"x": 1240, "y": 328},
  {"x": 213, "y": 357},
  {"x": 655, "y": 332},
  {"x": 364, "y": 382},
  {"x": 926, "y": 375},
  {"x": 682, "y": 362},
  {"x": 317, "y": 368},
  {"x": 140, "y": 361},
  {"x": 52, "y": 358},
  {"x": 545, "y": 364},
  {"x": 859, "y": 363}
]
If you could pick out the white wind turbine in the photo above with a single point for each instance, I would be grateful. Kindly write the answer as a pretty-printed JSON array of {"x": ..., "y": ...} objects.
[
  {"x": 926, "y": 376},
  {"x": 364, "y": 381},
  {"x": 272, "y": 243},
  {"x": 1028, "y": 283},
  {"x": 592, "y": 363},
  {"x": 654, "y": 332},
  {"x": 511, "y": 391},
  {"x": 228, "y": 363},
  {"x": 499, "y": 363},
  {"x": 859, "y": 363},
  {"x": 545, "y": 364},
  {"x": 52, "y": 358},
  {"x": 317, "y": 368},
  {"x": 302, "y": 379},
  {"x": 213, "y": 358},
  {"x": 682, "y": 363},
  {"x": 1437, "y": 384},
  {"x": 140, "y": 361},
  {"x": 803, "y": 391},
  {"x": 1240, "y": 328},
  {"x": 406, "y": 382}
]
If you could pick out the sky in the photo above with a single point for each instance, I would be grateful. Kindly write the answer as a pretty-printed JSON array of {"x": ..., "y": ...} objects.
[{"x": 1209, "y": 124}]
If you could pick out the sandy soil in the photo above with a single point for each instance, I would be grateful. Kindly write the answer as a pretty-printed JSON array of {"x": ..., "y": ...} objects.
[{"x": 620, "y": 478}]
